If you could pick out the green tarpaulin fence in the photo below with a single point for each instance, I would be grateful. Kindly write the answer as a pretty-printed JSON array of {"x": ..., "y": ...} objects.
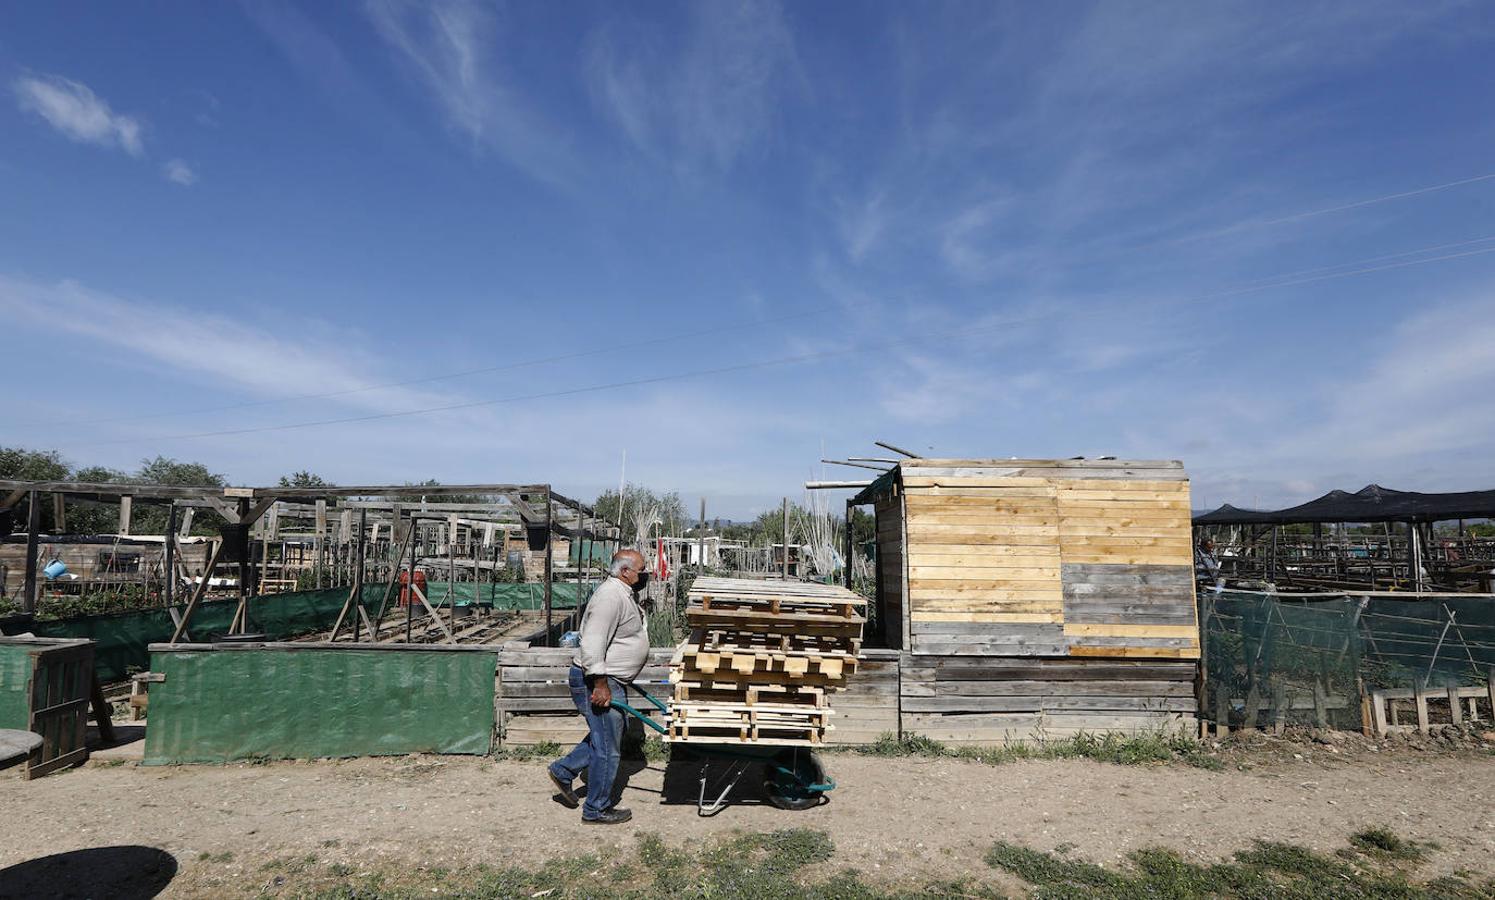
[
  {"x": 15, "y": 676},
  {"x": 222, "y": 703}
]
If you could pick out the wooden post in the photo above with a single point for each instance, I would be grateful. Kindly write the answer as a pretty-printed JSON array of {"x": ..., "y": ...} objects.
[
  {"x": 241, "y": 537},
  {"x": 321, "y": 529},
  {"x": 265, "y": 523},
  {"x": 549, "y": 560},
  {"x": 124, "y": 514},
  {"x": 701, "y": 538},
  {"x": 784, "y": 574},
  {"x": 168, "y": 589},
  {"x": 451, "y": 569},
  {"x": 410, "y": 600},
  {"x": 33, "y": 525},
  {"x": 59, "y": 514}
]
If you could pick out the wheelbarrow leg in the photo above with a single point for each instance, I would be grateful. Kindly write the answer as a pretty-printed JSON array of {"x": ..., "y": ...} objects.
[{"x": 733, "y": 775}]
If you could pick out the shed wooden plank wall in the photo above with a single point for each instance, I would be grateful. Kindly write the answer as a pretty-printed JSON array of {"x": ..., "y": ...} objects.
[
  {"x": 889, "y": 513},
  {"x": 1043, "y": 597},
  {"x": 1048, "y": 558}
]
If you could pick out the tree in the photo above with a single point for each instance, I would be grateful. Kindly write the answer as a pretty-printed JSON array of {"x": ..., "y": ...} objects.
[
  {"x": 304, "y": 479},
  {"x": 21, "y": 464},
  {"x": 163, "y": 470},
  {"x": 32, "y": 465}
]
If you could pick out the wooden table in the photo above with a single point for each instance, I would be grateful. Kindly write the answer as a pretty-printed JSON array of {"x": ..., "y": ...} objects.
[{"x": 16, "y": 745}]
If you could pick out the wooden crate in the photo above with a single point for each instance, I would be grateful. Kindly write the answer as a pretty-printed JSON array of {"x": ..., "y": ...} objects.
[{"x": 49, "y": 684}]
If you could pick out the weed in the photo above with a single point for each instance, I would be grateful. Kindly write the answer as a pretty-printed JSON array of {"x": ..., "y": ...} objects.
[
  {"x": 1386, "y": 844},
  {"x": 1269, "y": 869},
  {"x": 545, "y": 750},
  {"x": 1137, "y": 749}
]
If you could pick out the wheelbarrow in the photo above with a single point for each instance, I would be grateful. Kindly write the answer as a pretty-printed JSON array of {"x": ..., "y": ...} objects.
[{"x": 793, "y": 777}]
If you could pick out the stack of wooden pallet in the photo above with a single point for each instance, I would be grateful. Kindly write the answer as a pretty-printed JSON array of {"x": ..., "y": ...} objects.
[{"x": 762, "y": 659}]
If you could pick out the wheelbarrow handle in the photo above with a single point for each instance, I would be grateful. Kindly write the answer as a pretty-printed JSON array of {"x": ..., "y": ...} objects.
[{"x": 642, "y": 717}]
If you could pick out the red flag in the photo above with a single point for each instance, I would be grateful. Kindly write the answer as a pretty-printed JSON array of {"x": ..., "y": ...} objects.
[{"x": 662, "y": 565}]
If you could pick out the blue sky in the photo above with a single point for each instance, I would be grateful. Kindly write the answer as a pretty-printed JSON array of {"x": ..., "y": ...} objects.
[{"x": 1259, "y": 238}]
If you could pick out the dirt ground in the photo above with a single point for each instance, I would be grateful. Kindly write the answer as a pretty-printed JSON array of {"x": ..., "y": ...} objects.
[{"x": 251, "y": 828}]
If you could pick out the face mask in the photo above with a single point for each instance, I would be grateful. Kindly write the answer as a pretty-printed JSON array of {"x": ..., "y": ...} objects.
[{"x": 643, "y": 582}]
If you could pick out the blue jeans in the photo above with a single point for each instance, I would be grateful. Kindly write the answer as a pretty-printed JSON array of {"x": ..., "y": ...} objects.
[{"x": 598, "y": 752}]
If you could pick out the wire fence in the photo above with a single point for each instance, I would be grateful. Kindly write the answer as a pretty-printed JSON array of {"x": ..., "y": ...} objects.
[{"x": 1313, "y": 659}]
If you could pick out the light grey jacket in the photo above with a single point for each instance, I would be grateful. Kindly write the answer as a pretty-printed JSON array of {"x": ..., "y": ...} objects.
[{"x": 614, "y": 636}]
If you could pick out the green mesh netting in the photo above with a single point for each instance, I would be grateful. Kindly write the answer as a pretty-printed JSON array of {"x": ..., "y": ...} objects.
[
  {"x": 1271, "y": 658},
  {"x": 121, "y": 639}
]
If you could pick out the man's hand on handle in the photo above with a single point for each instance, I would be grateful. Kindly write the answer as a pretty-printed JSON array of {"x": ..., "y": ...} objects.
[{"x": 602, "y": 694}]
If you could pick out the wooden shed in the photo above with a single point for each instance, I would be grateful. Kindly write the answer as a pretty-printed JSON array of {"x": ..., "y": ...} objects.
[{"x": 1035, "y": 597}]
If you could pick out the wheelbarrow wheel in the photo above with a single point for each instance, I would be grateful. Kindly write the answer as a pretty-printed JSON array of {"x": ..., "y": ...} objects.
[{"x": 789, "y": 777}]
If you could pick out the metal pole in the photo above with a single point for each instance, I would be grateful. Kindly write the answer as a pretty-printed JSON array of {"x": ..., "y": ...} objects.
[
  {"x": 784, "y": 574},
  {"x": 701, "y": 543},
  {"x": 850, "y": 545}
]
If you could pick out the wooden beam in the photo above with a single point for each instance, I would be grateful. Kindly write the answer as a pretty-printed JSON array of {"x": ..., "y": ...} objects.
[
  {"x": 59, "y": 514},
  {"x": 33, "y": 525},
  {"x": 198, "y": 592},
  {"x": 125, "y": 503},
  {"x": 898, "y": 450}
]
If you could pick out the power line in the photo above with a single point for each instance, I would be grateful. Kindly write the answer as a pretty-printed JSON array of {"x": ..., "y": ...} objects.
[
  {"x": 1372, "y": 201},
  {"x": 760, "y": 364}
]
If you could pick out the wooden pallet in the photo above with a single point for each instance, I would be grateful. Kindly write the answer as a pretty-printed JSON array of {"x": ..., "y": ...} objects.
[
  {"x": 762, "y": 660},
  {"x": 790, "y": 665},
  {"x": 764, "y": 622},
  {"x": 703, "y": 713},
  {"x": 748, "y": 694},
  {"x": 748, "y": 734},
  {"x": 733, "y": 639}
]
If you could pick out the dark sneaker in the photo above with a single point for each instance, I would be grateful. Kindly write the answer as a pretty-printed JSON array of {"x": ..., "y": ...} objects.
[
  {"x": 615, "y": 816},
  {"x": 568, "y": 795}
]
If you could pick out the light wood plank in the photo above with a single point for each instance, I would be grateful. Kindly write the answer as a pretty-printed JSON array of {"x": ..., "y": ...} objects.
[
  {"x": 1137, "y": 652},
  {"x": 1020, "y": 618},
  {"x": 1075, "y": 629}
]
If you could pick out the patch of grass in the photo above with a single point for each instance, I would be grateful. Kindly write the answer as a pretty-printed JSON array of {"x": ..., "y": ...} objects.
[
  {"x": 225, "y": 856},
  {"x": 1386, "y": 844},
  {"x": 545, "y": 750},
  {"x": 798, "y": 862},
  {"x": 1121, "y": 749},
  {"x": 1269, "y": 869}
]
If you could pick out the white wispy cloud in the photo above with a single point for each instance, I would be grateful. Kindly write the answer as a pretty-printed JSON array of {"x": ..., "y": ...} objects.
[
  {"x": 76, "y": 111},
  {"x": 452, "y": 46},
  {"x": 708, "y": 101},
  {"x": 226, "y": 350},
  {"x": 178, "y": 172}
]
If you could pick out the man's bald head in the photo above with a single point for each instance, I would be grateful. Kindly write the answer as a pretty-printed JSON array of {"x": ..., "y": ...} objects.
[{"x": 626, "y": 565}]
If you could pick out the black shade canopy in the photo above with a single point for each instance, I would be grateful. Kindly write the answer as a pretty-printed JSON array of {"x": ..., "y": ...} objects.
[{"x": 1371, "y": 503}]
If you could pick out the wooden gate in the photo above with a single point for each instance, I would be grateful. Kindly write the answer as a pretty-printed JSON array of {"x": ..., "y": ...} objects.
[{"x": 51, "y": 681}]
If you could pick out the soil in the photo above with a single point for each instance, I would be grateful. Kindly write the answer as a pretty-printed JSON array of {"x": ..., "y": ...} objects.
[{"x": 245, "y": 829}]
